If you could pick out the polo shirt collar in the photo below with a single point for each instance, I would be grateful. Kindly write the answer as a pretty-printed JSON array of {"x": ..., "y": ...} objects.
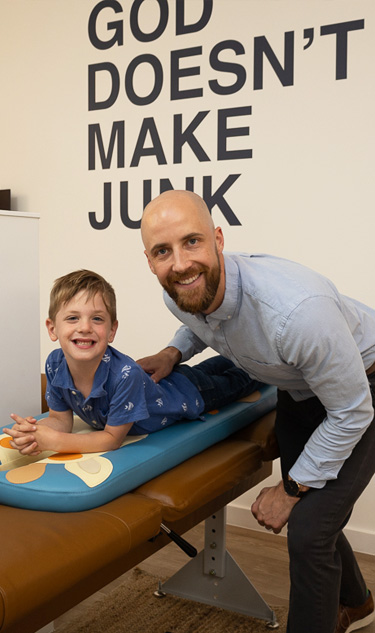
[{"x": 63, "y": 378}]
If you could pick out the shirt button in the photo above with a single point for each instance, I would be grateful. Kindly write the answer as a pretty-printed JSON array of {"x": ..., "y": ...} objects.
[{"x": 74, "y": 393}]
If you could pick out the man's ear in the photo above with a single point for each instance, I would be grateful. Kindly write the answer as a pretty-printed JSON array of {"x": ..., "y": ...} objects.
[
  {"x": 51, "y": 330},
  {"x": 219, "y": 238},
  {"x": 149, "y": 263},
  {"x": 113, "y": 332}
]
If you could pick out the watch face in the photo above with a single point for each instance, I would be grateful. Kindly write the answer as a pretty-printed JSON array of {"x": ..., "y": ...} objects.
[{"x": 291, "y": 487}]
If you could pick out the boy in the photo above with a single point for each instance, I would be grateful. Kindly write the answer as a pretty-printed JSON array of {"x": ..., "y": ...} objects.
[{"x": 106, "y": 388}]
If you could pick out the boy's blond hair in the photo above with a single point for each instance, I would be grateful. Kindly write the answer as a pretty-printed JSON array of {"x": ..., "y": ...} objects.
[{"x": 68, "y": 286}]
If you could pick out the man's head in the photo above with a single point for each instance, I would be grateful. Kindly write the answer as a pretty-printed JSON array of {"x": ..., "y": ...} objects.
[{"x": 184, "y": 250}]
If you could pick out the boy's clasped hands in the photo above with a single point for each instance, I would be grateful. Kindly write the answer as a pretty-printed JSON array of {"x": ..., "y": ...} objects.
[{"x": 27, "y": 436}]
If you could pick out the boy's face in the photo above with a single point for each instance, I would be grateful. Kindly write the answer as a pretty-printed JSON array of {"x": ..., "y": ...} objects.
[{"x": 83, "y": 328}]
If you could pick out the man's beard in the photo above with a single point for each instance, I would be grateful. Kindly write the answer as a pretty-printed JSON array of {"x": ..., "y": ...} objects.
[{"x": 195, "y": 300}]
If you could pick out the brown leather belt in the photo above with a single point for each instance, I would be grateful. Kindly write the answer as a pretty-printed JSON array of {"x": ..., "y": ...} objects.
[{"x": 371, "y": 369}]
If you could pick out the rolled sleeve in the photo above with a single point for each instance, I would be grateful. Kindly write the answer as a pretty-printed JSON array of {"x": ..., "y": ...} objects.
[{"x": 187, "y": 343}]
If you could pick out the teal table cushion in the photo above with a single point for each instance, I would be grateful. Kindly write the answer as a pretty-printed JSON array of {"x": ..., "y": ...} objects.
[{"x": 69, "y": 483}]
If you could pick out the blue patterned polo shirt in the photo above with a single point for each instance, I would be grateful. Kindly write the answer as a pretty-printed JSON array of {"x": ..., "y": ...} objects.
[{"x": 122, "y": 392}]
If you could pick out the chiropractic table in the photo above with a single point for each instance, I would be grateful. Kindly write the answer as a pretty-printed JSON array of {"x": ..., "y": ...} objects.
[{"x": 72, "y": 524}]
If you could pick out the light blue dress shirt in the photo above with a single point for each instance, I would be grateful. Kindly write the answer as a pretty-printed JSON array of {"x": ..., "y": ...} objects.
[{"x": 288, "y": 326}]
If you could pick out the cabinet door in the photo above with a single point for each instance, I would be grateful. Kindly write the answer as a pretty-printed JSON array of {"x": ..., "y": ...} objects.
[{"x": 19, "y": 315}]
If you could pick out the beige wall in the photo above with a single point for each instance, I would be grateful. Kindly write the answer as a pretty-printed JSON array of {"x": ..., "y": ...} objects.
[{"x": 306, "y": 193}]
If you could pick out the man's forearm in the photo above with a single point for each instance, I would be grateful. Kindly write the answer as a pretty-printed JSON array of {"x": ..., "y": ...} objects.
[
  {"x": 187, "y": 343},
  {"x": 173, "y": 353}
]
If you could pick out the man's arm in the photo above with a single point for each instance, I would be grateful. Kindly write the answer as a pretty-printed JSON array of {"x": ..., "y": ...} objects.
[
  {"x": 187, "y": 342},
  {"x": 161, "y": 364},
  {"x": 184, "y": 345},
  {"x": 318, "y": 341}
]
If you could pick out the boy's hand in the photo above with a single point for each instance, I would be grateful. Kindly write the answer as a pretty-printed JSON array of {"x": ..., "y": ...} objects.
[
  {"x": 46, "y": 438},
  {"x": 23, "y": 425},
  {"x": 23, "y": 435}
]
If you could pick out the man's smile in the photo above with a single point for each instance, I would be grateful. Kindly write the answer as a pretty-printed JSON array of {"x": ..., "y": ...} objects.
[{"x": 190, "y": 280}]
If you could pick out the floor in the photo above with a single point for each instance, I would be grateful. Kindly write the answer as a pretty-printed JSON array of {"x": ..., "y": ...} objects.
[{"x": 262, "y": 556}]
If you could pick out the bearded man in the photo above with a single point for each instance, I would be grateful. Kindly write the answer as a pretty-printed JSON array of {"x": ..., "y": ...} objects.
[{"x": 287, "y": 326}]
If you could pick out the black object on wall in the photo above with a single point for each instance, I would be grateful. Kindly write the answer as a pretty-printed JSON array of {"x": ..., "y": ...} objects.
[{"x": 5, "y": 199}]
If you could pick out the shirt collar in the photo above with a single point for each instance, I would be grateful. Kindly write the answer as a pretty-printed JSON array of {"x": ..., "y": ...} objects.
[
  {"x": 228, "y": 307},
  {"x": 64, "y": 379}
]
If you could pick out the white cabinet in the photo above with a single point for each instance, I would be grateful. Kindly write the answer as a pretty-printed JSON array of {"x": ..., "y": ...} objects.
[{"x": 19, "y": 315}]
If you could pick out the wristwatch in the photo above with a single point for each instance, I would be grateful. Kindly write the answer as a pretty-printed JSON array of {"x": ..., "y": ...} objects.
[{"x": 293, "y": 488}]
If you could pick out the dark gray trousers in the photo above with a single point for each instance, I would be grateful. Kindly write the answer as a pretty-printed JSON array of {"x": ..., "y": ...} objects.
[{"x": 323, "y": 568}]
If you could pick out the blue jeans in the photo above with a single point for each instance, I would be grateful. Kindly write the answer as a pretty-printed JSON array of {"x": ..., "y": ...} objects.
[
  {"x": 219, "y": 381},
  {"x": 323, "y": 568}
]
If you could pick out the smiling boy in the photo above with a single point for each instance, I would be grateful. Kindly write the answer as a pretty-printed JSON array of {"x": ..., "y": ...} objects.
[{"x": 108, "y": 389}]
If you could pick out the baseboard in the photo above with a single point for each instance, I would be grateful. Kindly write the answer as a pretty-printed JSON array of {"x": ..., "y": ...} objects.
[
  {"x": 363, "y": 542},
  {"x": 360, "y": 541},
  {"x": 242, "y": 517}
]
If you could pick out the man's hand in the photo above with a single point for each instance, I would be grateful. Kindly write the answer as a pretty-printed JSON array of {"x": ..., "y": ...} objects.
[
  {"x": 272, "y": 507},
  {"x": 160, "y": 365}
]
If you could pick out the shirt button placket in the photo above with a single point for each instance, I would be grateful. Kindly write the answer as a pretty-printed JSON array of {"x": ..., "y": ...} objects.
[{"x": 77, "y": 398}]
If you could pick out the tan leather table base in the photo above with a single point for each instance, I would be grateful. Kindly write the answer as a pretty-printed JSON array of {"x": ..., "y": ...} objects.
[{"x": 52, "y": 561}]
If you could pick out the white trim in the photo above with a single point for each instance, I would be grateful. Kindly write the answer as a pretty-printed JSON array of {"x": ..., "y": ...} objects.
[
  {"x": 363, "y": 542},
  {"x": 242, "y": 517},
  {"x": 360, "y": 541},
  {"x": 19, "y": 214}
]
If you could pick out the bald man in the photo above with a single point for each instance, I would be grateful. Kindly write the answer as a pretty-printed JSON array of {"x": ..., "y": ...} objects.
[{"x": 290, "y": 327}]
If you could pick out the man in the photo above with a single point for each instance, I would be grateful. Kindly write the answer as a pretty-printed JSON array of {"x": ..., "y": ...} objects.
[{"x": 287, "y": 326}]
